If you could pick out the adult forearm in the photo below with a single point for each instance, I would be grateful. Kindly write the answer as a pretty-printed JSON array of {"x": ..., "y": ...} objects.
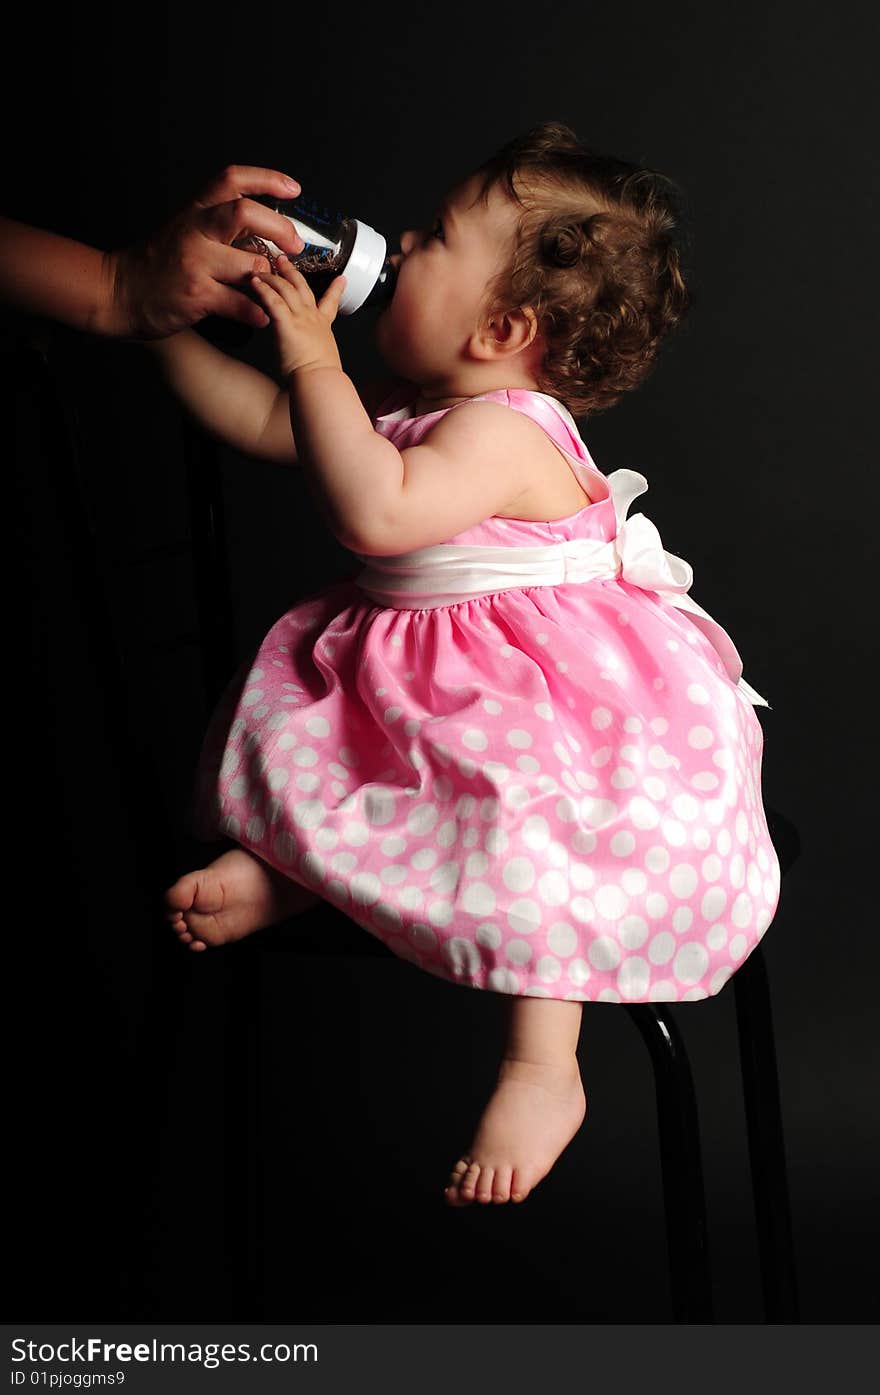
[
  {"x": 46, "y": 274},
  {"x": 355, "y": 474}
]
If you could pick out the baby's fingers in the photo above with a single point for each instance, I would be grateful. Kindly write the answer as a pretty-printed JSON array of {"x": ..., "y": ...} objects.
[
  {"x": 272, "y": 301},
  {"x": 293, "y": 277}
]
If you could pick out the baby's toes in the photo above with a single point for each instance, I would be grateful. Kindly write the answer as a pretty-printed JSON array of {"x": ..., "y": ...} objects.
[
  {"x": 484, "y": 1185},
  {"x": 501, "y": 1184},
  {"x": 452, "y": 1191},
  {"x": 519, "y": 1187},
  {"x": 468, "y": 1185}
]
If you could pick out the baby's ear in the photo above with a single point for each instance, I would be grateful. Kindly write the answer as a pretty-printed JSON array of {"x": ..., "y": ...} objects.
[{"x": 505, "y": 332}]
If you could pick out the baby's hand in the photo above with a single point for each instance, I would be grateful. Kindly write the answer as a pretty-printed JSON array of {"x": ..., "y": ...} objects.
[{"x": 301, "y": 325}]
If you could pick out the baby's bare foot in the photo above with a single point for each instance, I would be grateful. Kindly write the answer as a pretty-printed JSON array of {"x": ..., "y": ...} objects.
[
  {"x": 533, "y": 1115},
  {"x": 233, "y": 897}
]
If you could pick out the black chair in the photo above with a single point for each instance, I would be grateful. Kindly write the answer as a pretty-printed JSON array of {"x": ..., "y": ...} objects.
[{"x": 677, "y": 1116}]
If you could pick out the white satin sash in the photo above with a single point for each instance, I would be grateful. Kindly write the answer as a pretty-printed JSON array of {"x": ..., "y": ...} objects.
[{"x": 449, "y": 572}]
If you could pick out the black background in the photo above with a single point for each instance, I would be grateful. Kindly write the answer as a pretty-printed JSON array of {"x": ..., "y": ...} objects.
[{"x": 755, "y": 434}]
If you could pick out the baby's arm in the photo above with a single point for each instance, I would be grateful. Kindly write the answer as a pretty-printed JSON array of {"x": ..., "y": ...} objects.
[{"x": 229, "y": 399}]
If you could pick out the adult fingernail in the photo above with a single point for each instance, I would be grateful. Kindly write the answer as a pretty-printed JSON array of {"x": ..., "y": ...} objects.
[{"x": 292, "y": 185}]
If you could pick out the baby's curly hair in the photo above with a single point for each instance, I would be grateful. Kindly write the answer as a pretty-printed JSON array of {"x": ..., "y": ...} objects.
[{"x": 595, "y": 259}]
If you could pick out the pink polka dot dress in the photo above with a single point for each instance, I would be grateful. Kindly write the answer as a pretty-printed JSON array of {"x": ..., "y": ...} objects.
[{"x": 526, "y": 760}]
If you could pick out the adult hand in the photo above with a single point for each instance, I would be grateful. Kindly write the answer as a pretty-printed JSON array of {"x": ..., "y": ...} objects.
[{"x": 188, "y": 269}]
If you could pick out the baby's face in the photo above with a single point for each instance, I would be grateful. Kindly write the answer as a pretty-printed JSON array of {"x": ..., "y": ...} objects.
[{"x": 443, "y": 272}]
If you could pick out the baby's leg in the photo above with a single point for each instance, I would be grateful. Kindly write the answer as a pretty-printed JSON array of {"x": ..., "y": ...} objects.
[
  {"x": 236, "y": 895},
  {"x": 536, "y": 1109}
]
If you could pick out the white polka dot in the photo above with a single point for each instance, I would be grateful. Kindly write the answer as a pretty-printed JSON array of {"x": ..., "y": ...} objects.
[
  {"x": 622, "y": 778},
  {"x": 601, "y": 718},
  {"x": 518, "y": 951},
  {"x": 716, "y": 936},
  {"x": 553, "y": 888},
  {"x": 497, "y": 841},
  {"x": 519, "y": 874},
  {"x": 737, "y": 947},
  {"x": 603, "y": 954},
  {"x": 318, "y": 726},
  {"x": 674, "y": 832},
  {"x": 503, "y": 981},
  {"x": 343, "y": 862},
  {"x": 662, "y": 948},
  {"x": 424, "y": 858},
  {"x": 308, "y": 813},
  {"x": 691, "y": 962},
  {"x": 697, "y": 693},
  {"x": 711, "y": 868},
  {"x": 519, "y": 738},
  {"x": 622, "y": 843},
  {"x": 597, "y": 812},
  {"x": 634, "y": 881},
  {"x": 462, "y": 956},
  {"x": 656, "y": 905},
  {"x": 562, "y": 939},
  {"x": 378, "y": 806},
  {"x": 682, "y": 918},
  {"x": 631, "y": 753},
  {"x": 447, "y": 833},
  {"x": 582, "y": 875},
  {"x": 544, "y": 711},
  {"x": 657, "y": 859},
  {"x": 601, "y": 756},
  {"x": 474, "y": 739},
  {"x": 705, "y": 780},
  {"x": 491, "y": 706},
  {"x": 683, "y": 881},
  {"x": 488, "y": 935},
  {"x": 251, "y": 697},
  {"x": 440, "y": 912},
  {"x": 642, "y": 813},
  {"x": 478, "y": 899},
  {"x": 548, "y": 968},
  {"x": 536, "y": 832},
  {"x": 308, "y": 783},
  {"x": 662, "y": 992},
  {"x": 356, "y": 833},
  {"x": 393, "y": 874},
  {"x": 445, "y": 877},
  {"x": 578, "y": 972},
  {"x": 713, "y": 903},
  {"x": 393, "y": 845},
  {"x": 524, "y": 916},
  {"x": 421, "y": 819},
  {"x": 496, "y": 772},
  {"x": 741, "y": 911},
  {"x": 685, "y": 807},
  {"x": 633, "y": 931},
  {"x": 633, "y": 977},
  {"x": 700, "y": 737},
  {"x": 611, "y": 901}
]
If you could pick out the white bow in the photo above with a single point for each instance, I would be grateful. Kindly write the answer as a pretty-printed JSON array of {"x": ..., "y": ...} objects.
[{"x": 644, "y": 562}]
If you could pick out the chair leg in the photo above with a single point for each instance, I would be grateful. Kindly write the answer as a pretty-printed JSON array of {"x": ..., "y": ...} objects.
[
  {"x": 766, "y": 1144},
  {"x": 681, "y": 1164}
]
